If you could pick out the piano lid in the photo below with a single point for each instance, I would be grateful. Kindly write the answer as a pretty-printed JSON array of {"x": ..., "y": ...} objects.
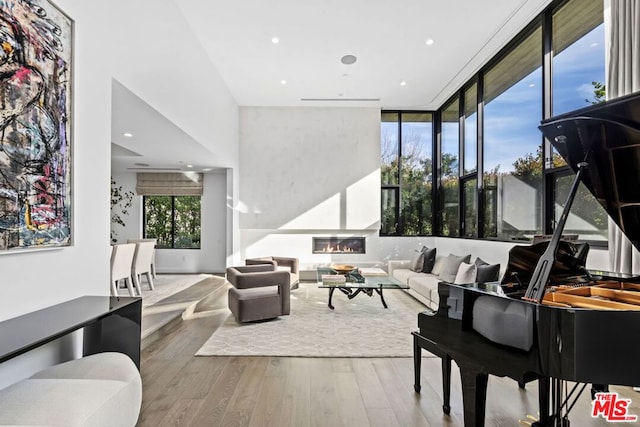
[{"x": 607, "y": 137}]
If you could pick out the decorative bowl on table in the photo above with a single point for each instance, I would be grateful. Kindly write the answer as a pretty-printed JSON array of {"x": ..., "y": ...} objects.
[{"x": 342, "y": 268}]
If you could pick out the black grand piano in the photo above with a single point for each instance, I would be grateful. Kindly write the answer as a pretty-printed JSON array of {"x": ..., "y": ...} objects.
[{"x": 550, "y": 319}]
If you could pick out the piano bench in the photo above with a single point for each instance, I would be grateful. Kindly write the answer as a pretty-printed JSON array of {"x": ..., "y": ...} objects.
[{"x": 504, "y": 321}]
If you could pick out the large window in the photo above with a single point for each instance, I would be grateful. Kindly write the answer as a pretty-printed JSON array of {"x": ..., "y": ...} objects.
[
  {"x": 470, "y": 129},
  {"x": 578, "y": 55},
  {"x": 493, "y": 163},
  {"x": 578, "y": 81},
  {"x": 407, "y": 173},
  {"x": 513, "y": 143},
  {"x": 173, "y": 220},
  {"x": 449, "y": 169}
]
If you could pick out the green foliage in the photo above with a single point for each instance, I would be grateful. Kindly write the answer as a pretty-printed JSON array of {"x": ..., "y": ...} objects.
[
  {"x": 173, "y": 220},
  {"x": 121, "y": 201},
  {"x": 599, "y": 93}
]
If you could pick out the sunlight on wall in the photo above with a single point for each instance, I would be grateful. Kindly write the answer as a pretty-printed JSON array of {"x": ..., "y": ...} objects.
[{"x": 357, "y": 207}]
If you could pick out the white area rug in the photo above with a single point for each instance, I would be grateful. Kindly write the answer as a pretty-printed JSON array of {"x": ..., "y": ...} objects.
[
  {"x": 166, "y": 285},
  {"x": 360, "y": 327}
]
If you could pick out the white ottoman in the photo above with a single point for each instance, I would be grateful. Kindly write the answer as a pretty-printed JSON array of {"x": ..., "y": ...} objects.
[{"x": 103, "y": 389}]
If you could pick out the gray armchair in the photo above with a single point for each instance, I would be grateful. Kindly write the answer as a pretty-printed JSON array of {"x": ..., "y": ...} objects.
[
  {"x": 280, "y": 263},
  {"x": 259, "y": 292}
]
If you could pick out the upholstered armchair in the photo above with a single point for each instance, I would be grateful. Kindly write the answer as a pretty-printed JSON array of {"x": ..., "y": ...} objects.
[
  {"x": 259, "y": 292},
  {"x": 280, "y": 263}
]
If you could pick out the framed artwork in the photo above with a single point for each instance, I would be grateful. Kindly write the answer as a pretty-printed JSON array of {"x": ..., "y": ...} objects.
[{"x": 35, "y": 125}]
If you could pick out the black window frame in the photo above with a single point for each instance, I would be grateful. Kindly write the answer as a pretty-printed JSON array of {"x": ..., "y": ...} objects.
[
  {"x": 549, "y": 173},
  {"x": 397, "y": 188},
  {"x": 173, "y": 223}
]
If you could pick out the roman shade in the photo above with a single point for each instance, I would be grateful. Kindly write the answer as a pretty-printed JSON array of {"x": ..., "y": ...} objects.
[{"x": 169, "y": 184}]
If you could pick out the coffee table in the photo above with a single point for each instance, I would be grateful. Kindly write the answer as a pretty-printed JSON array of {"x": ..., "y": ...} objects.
[{"x": 372, "y": 283}]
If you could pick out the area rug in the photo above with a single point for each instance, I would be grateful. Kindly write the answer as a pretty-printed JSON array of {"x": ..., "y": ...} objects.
[{"x": 360, "y": 327}]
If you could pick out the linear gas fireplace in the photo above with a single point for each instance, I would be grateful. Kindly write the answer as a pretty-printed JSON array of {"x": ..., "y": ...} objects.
[{"x": 338, "y": 245}]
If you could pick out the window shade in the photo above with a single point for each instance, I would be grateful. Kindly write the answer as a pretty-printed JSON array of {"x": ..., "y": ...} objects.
[{"x": 169, "y": 184}]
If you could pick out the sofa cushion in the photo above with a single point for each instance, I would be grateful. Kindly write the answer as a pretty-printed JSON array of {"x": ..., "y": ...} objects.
[
  {"x": 429, "y": 259},
  {"x": 486, "y": 272},
  {"x": 404, "y": 274},
  {"x": 451, "y": 265},
  {"x": 426, "y": 285},
  {"x": 466, "y": 274},
  {"x": 417, "y": 258}
]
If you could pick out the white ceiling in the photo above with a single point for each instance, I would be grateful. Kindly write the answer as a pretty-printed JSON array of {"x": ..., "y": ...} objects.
[{"x": 387, "y": 37}]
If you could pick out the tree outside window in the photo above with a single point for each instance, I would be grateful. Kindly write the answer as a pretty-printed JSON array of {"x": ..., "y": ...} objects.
[{"x": 173, "y": 220}]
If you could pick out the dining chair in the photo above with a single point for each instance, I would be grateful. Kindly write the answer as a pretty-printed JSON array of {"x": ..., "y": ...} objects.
[
  {"x": 121, "y": 262},
  {"x": 153, "y": 258},
  {"x": 142, "y": 264}
]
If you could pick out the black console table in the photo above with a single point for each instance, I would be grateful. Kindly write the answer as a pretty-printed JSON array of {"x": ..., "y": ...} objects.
[{"x": 110, "y": 324}]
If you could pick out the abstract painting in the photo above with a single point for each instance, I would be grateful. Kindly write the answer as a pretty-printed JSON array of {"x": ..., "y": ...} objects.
[{"x": 35, "y": 125}]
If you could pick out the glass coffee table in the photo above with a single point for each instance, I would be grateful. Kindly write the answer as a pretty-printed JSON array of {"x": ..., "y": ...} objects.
[{"x": 351, "y": 283}]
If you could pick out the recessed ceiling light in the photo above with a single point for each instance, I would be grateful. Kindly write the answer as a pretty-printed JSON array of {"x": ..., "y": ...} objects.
[
  {"x": 283, "y": 82},
  {"x": 275, "y": 40},
  {"x": 429, "y": 42},
  {"x": 348, "y": 59},
  {"x": 403, "y": 83},
  {"x": 189, "y": 166},
  {"x": 127, "y": 135},
  {"x": 532, "y": 84}
]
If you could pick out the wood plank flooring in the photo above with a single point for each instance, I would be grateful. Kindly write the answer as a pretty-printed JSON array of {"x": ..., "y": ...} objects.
[{"x": 180, "y": 389}]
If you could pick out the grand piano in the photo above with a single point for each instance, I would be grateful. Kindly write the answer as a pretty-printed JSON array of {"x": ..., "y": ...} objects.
[{"x": 550, "y": 319}]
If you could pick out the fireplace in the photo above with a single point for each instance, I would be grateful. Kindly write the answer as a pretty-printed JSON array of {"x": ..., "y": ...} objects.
[{"x": 338, "y": 245}]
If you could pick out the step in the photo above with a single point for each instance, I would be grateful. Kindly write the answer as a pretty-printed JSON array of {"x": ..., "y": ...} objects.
[{"x": 162, "y": 317}]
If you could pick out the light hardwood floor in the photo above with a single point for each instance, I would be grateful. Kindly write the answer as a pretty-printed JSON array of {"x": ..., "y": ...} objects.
[{"x": 180, "y": 389}]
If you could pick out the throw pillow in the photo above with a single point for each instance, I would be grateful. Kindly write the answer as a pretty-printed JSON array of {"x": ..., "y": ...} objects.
[
  {"x": 487, "y": 272},
  {"x": 429, "y": 260},
  {"x": 466, "y": 274},
  {"x": 437, "y": 266},
  {"x": 415, "y": 264},
  {"x": 451, "y": 265},
  {"x": 479, "y": 261}
]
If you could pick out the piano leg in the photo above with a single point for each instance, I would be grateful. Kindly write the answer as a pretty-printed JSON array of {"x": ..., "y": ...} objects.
[
  {"x": 417, "y": 362},
  {"x": 420, "y": 342},
  {"x": 474, "y": 395},
  {"x": 544, "y": 385},
  {"x": 446, "y": 383},
  {"x": 598, "y": 388}
]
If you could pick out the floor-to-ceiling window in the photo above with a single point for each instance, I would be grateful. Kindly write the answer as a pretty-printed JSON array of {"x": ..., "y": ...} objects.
[
  {"x": 512, "y": 141},
  {"x": 407, "y": 173},
  {"x": 469, "y": 179},
  {"x": 493, "y": 162},
  {"x": 390, "y": 173},
  {"x": 449, "y": 169},
  {"x": 578, "y": 81}
]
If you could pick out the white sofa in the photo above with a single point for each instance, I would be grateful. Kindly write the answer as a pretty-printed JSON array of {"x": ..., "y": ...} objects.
[{"x": 422, "y": 286}]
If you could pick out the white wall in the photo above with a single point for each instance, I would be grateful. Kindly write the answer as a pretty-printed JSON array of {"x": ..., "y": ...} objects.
[
  {"x": 307, "y": 171},
  {"x": 151, "y": 50}
]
